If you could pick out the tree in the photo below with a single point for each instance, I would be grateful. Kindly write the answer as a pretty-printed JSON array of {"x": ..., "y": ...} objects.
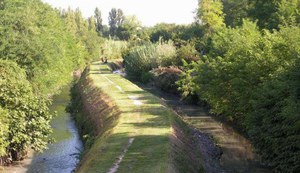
[
  {"x": 115, "y": 20},
  {"x": 250, "y": 77},
  {"x": 210, "y": 14},
  {"x": 289, "y": 12},
  {"x": 92, "y": 24},
  {"x": 235, "y": 11},
  {"x": 129, "y": 28},
  {"x": 98, "y": 17},
  {"x": 4, "y": 122},
  {"x": 163, "y": 31},
  {"x": 26, "y": 114},
  {"x": 265, "y": 13}
]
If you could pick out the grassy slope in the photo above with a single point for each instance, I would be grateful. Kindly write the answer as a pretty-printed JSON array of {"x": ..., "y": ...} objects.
[{"x": 149, "y": 124}]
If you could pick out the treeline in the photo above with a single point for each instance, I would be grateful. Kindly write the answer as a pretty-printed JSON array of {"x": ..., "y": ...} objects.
[
  {"x": 40, "y": 47},
  {"x": 241, "y": 58},
  {"x": 250, "y": 73}
]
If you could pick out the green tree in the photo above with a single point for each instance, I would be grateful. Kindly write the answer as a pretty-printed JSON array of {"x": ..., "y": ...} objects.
[
  {"x": 289, "y": 12},
  {"x": 249, "y": 77},
  {"x": 129, "y": 29},
  {"x": 163, "y": 31},
  {"x": 272, "y": 13},
  {"x": 92, "y": 24},
  {"x": 210, "y": 14},
  {"x": 4, "y": 122},
  {"x": 115, "y": 20},
  {"x": 98, "y": 17},
  {"x": 27, "y": 115},
  {"x": 235, "y": 11}
]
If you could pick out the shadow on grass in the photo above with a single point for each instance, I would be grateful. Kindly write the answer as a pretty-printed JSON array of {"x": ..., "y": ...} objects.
[
  {"x": 155, "y": 122},
  {"x": 148, "y": 153}
]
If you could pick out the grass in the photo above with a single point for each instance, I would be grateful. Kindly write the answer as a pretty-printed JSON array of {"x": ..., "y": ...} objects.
[{"x": 142, "y": 118}]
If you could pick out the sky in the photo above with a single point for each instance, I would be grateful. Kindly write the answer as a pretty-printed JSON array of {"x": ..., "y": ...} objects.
[{"x": 149, "y": 12}]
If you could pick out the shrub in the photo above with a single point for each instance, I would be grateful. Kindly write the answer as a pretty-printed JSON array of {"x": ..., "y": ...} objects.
[
  {"x": 166, "y": 53},
  {"x": 252, "y": 79},
  {"x": 27, "y": 115},
  {"x": 187, "y": 53},
  {"x": 165, "y": 78},
  {"x": 112, "y": 49},
  {"x": 3, "y": 131},
  {"x": 140, "y": 60},
  {"x": 143, "y": 58}
]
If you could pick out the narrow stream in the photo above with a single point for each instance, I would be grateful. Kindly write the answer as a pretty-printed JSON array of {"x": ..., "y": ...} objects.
[{"x": 63, "y": 155}]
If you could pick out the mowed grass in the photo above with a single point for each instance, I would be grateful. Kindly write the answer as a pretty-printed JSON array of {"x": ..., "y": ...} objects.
[{"x": 142, "y": 118}]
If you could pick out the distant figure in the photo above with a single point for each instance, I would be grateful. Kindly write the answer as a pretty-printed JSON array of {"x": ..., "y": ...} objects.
[
  {"x": 102, "y": 59},
  {"x": 105, "y": 60}
]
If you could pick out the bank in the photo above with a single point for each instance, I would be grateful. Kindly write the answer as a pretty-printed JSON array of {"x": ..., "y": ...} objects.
[{"x": 127, "y": 129}]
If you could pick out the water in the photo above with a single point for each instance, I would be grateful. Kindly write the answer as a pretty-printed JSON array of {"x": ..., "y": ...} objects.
[{"x": 62, "y": 156}]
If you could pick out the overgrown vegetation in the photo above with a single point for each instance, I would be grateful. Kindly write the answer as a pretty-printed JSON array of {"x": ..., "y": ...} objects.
[
  {"x": 249, "y": 76},
  {"x": 113, "y": 49},
  {"x": 140, "y": 59},
  {"x": 240, "y": 56},
  {"x": 25, "y": 116},
  {"x": 242, "y": 61},
  {"x": 39, "y": 49}
]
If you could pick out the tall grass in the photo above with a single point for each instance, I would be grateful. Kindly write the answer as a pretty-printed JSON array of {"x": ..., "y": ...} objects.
[
  {"x": 112, "y": 49},
  {"x": 166, "y": 53},
  {"x": 139, "y": 60}
]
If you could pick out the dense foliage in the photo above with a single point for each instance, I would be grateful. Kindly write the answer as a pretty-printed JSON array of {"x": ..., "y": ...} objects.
[
  {"x": 39, "y": 49},
  {"x": 33, "y": 35},
  {"x": 250, "y": 75},
  {"x": 140, "y": 59},
  {"x": 113, "y": 49},
  {"x": 25, "y": 114}
]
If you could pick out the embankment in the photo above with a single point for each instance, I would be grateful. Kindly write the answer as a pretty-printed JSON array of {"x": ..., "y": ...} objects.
[{"x": 127, "y": 129}]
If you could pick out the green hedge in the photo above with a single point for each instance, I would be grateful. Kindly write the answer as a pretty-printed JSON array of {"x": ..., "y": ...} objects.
[{"x": 252, "y": 78}]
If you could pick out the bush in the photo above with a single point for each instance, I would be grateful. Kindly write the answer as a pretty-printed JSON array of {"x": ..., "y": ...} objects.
[
  {"x": 3, "y": 131},
  {"x": 140, "y": 60},
  {"x": 112, "y": 49},
  {"x": 27, "y": 115},
  {"x": 165, "y": 78},
  {"x": 143, "y": 58},
  {"x": 166, "y": 53},
  {"x": 252, "y": 79},
  {"x": 187, "y": 53}
]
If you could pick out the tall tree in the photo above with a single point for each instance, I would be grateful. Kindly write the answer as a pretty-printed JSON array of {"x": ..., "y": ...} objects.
[
  {"x": 129, "y": 29},
  {"x": 92, "y": 24},
  {"x": 235, "y": 11},
  {"x": 210, "y": 13},
  {"x": 115, "y": 20},
  {"x": 98, "y": 17},
  {"x": 265, "y": 13}
]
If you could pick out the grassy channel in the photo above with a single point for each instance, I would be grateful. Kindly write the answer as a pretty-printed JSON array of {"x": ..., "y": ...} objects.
[{"x": 143, "y": 118}]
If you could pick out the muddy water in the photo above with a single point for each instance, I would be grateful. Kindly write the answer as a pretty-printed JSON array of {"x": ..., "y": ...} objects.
[
  {"x": 62, "y": 155},
  {"x": 238, "y": 155}
]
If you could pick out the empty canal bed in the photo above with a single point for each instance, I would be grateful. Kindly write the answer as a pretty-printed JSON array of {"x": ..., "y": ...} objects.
[{"x": 128, "y": 129}]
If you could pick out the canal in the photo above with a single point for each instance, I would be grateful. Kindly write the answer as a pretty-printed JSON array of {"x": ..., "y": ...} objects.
[{"x": 62, "y": 156}]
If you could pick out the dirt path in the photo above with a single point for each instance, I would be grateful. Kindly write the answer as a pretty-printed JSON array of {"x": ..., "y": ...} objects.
[
  {"x": 236, "y": 154},
  {"x": 120, "y": 158}
]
